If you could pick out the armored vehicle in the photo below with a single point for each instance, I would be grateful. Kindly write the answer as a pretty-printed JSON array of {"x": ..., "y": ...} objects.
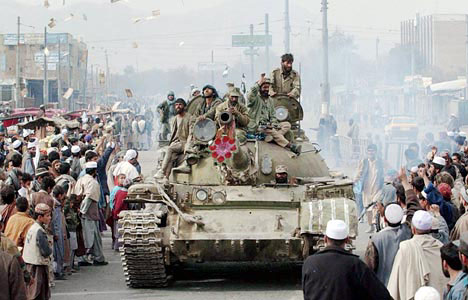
[{"x": 232, "y": 209}]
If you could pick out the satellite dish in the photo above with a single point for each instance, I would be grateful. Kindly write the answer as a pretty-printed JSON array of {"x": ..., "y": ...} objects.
[
  {"x": 204, "y": 130},
  {"x": 281, "y": 113}
]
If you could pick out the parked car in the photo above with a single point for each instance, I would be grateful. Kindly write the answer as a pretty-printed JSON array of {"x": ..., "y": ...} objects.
[{"x": 402, "y": 127}]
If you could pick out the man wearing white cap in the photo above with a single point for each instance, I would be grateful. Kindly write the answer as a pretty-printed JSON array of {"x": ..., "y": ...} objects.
[
  {"x": 75, "y": 166},
  {"x": 126, "y": 166},
  {"x": 384, "y": 245},
  {"x": 88, "y": 189},
  {"x": 31, "y": 158},
  {"x": 16, "y": 148},
  {"x": 418, "y": 261},
  {"x": 334, "y": 273}
]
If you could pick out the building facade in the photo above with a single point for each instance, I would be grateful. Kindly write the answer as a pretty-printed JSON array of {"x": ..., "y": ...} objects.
[
  {"x": 66, "y": 67},
  {"x": 438, "y": 45}
]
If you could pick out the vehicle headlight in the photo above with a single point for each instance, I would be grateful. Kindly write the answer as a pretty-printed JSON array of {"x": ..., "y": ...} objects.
[
  {"x": 281, "y": 113},
  {"x": 219, "y": 198},
  {"x": 202, "y": 195}
]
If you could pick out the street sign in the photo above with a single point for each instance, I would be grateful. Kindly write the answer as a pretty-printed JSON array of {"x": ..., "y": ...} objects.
[
  {"x": 34, "y": 38},
  {"x": 245, "y": 40}
]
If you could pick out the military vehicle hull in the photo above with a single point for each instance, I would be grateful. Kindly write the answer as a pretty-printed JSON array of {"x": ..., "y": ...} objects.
[
  {"x": 268, "y": 223},
  {"x": 232, "y": 209}
]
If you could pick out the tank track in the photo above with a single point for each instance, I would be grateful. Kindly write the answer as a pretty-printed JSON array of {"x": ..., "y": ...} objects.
[{"x": 141, "y": 249}]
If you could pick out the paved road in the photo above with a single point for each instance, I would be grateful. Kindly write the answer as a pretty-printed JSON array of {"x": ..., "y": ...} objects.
[{"x": 194, "y": 282}]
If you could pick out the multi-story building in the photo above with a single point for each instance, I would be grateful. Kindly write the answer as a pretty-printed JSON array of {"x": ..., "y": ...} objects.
[
  {"x": 66, "y": 67},
  {"x": 438, "y": 44}
]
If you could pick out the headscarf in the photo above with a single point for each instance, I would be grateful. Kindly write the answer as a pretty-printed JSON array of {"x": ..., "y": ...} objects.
[
  {"x": 215, "y": 92},
  {"x": 131, "y": 154}
]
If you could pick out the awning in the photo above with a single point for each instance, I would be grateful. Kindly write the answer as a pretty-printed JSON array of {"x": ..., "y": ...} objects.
[{"x": 448, "y": 86}]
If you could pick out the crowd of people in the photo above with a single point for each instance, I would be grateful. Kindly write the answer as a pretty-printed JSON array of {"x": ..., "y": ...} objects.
[
  {"x": 58, "y": 195},
  {"x": 418, "y": 221},
  {"x": 60, "y": 191}
]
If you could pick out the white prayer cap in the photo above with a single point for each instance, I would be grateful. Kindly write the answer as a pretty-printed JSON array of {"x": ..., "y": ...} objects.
[
  {"x": 439, "y": 160},
  {"x": 451, "y": 133},
  {"x": 32, "y": 144},
  {"x": 394, "y": 213},
  {"x": 195, "y": 90},
  {"x": 422, "y": 220},
  {"x": 462, "y": 134},
  {"x": 131, "y": 154},
  {"x": 52, "y": 149},
  {"x": 64, "y": 131},
  {"x": 414, "y": 169},
  {"x": 26, "y": 132},
  {"x": 16, "y": 144},
  {"x": 337, "y": 230},
  {"x": 64, "y": 148},
  {"x": 75, "y": 149},
  {"x": 427, "y": 293},
  {"x": 91, "y": 165}
]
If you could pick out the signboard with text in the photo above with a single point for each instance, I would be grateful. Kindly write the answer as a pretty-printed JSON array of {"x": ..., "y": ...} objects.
[
  {"x": 11, "y": 39},
  {"x": 244, "y": 40}
]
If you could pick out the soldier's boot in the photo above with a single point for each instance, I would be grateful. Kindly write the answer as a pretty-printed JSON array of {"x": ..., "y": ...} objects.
[{"x": 183, "y": 168}]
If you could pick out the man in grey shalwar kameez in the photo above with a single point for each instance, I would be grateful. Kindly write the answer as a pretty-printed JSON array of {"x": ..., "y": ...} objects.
[
  {"x": 59, "y": 246},
  {"x": 87, "y": 187}
]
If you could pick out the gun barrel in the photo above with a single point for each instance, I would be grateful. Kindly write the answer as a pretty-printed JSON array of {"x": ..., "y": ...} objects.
[{"x": 225, "y": 118}]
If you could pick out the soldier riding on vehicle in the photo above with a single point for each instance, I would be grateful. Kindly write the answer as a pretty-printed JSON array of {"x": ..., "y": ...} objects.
[
  {"x": 285, "y": 80},
  {"x": 207, "y": 108},
  {"x": 263, "y": 118},
  {"x": 180, "y": 131},
  {"x": 232, "y": 110}
]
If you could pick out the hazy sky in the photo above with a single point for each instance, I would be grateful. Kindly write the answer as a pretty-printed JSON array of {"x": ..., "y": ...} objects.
[{"x": 205, "y": 25}]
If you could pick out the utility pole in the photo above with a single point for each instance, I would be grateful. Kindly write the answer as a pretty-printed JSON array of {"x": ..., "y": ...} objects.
[
  {"x": 46, "y": 83},
  {"x": 252, "y": 72},
  {"x": 93, "y": 94},
  {"x": 85, "y": 86},
  {"x": 267, "y": 43},
  {"x": 287, "y": 27},
  {"x": 59, "y": 74},
  {"x": 325, "y": 84},
  {"x": 107, "y": 76},
  {"x": 18, "y": 75},
  {"x": 466, "y": 68},
  {"x": 377, "y": 42},
  {"x": 212, "y": 67}
]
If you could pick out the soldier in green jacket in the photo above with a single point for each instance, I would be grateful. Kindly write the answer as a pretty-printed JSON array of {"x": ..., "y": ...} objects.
[
  {"x": 166, "y": 111},
  {"x": 207, "y": 109},
  {"x": 263, "y": 118},
  {"x": 285, "y": 80},
  {"x": 239, "y": 113}
]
